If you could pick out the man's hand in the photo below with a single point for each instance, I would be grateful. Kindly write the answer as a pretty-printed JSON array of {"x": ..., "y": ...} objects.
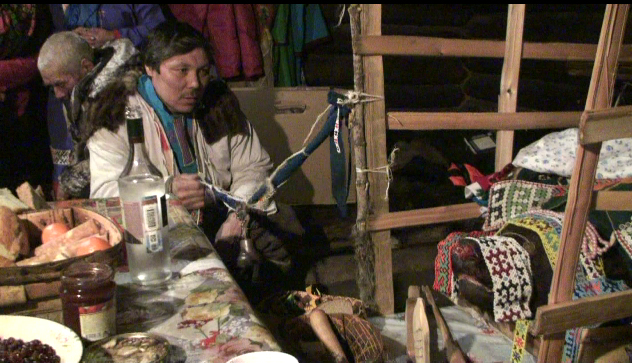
[
  {"x": 231, "y": 228},
  {"x": 189, "y": 190},
  {"x": 96, "y": 37}
]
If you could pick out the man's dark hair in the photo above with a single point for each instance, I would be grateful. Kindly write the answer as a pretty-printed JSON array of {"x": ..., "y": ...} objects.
[{"x": 171, "y": 39}]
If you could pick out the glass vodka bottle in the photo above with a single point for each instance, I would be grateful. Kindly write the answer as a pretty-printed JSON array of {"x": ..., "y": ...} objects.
[{"x": 143, "y": 200}]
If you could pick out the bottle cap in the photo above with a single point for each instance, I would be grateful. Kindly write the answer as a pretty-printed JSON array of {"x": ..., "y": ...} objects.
[
  {"x": 134, "y": 124},
  {"x": 132, "y": 112}
]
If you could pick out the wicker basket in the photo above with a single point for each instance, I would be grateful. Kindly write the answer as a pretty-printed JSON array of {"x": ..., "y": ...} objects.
[{"x": 41, "y": 282}]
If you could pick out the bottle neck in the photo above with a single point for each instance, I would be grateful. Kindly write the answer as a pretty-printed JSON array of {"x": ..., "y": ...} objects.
[
  {"x": 138, "y": 162},
  {"x": 138, "y": 151},
  {"x": 136, "y": 141},
  {"x": 135, "y": 130}
]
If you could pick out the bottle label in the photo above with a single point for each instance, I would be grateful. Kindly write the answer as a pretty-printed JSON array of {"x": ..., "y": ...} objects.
[
  {"x": 98, "y": 321},
  {"x": 150, "y": 213},
  {"x": 144, "y": 222},
  {"x": 152, "y": 224},
  {"x": 133, "y": 222}
]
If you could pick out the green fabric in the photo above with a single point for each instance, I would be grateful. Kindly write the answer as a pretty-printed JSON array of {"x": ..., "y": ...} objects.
[
  {"x": 282, "y": 52},
  {"x": 295, "y": 27}
]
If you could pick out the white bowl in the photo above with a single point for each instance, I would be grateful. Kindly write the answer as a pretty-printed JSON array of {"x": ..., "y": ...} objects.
[
  {"x": 264, "y": 357},
  {"x": 66, "y": 342}
]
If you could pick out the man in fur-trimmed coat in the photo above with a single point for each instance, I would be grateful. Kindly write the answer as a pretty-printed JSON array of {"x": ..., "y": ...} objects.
[
  {"x": 194, "y": 131},
  {"x": 77, "y": 74}
]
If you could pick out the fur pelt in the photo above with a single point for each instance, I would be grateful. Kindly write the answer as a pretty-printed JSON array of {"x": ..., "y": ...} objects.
[{"x": 218, "y": 115}]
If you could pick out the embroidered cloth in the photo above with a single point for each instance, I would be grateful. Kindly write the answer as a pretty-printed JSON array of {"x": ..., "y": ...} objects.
[
  {"x": 444, "y": 277},
  {"x": 548, "y": 225},
  {"x": 510, "y": 198},
  {"x": 510, "y": 270}
]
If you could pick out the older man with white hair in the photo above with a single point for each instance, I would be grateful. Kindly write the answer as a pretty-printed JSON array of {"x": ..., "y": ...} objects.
[{"x": 77, "y": 73}]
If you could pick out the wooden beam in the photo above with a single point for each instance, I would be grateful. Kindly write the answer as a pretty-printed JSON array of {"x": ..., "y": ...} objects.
[
  {"x": 424, "y": 216},
  {"x": 559, "y": 317},
  {"x": 607, "y": 124},
  {"x": 508, "y": 96},
  {"x": 481, "y": 120},
  {"x": 375, "y": 134},
  {"x": 582, "y": 179},
  {"x": 444, "y": 47},
  {"x": 604, "y": 200},
  {"x": 612, "y": 200}
]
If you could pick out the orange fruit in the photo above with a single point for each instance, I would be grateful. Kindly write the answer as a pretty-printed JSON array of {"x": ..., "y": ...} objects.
[
  {"x": 92, "y": 244},
  {"x": 54, "y": 230}
]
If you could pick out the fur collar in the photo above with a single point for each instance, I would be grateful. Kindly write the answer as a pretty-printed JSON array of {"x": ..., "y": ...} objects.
[{"x": 219, "y": 115}]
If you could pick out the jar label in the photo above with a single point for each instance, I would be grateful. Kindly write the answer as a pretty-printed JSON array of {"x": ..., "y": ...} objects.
[{"x": 98, "y": 321}]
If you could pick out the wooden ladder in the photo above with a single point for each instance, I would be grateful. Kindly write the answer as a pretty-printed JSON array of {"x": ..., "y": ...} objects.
[{"x": 599, "y": 123}]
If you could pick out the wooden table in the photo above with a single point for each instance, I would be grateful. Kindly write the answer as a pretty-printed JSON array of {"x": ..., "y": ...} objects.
[{"x": 201, "y": 310}]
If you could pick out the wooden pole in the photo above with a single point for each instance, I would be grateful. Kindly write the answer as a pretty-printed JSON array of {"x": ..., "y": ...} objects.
[
  {"x": 365, "y": 260},
  {"x": 416, "y": 46},
  {"x": 424, "y": 216},
  {"x": 376, "y": 154},
  {"x": 508, "y": 98},
  {"x": 482, "y": 120}
]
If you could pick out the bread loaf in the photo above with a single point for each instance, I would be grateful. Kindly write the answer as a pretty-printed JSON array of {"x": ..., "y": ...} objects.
[
  {"x": 31, "y": 197},
  {"x": 85, "y": 229},
  {"x": 7, "y": 199},
  {"x": 13, "y": 236}
]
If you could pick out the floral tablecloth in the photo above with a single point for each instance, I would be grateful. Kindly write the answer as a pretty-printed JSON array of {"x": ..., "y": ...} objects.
[{"x": 201, "y": 311}]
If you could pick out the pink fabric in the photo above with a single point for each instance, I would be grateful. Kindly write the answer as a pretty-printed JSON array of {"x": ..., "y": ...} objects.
[
  {"x": 15, "y": 74},
  {"x": 248, "y": 39},
  {"x": 15, "y": 71},
  {"x": 232, "y": 31}
]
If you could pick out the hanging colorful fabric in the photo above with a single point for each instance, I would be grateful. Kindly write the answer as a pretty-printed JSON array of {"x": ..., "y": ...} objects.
[
  {"x": 296, "y": 27},
  {"x": 337, "y": 157}
]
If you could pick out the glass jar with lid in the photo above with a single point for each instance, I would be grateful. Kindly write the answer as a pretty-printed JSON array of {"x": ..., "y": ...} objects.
[{"x": 88, "y": 297}]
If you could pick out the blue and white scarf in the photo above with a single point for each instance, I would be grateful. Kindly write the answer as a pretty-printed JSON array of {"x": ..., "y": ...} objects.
[{"x": 175, "y": 127}]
